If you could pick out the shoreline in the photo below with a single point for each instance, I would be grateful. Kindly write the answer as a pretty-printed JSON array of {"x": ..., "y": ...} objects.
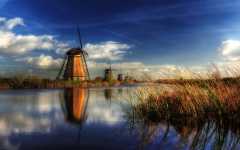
[{"x": 90, "y": 86}]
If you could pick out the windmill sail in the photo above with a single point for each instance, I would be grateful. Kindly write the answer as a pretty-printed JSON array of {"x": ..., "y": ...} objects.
[
  {"x": 62, "y": 67},
  {"x": 79, "y": 37}
]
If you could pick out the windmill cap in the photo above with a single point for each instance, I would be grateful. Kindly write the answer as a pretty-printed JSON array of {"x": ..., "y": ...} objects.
[{"x": 74, "y": 51}]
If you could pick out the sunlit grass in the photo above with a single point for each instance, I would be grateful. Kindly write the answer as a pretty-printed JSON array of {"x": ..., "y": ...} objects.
[
  {"x": 202, "y": 98},
  {"x": 206, "y": 111}
]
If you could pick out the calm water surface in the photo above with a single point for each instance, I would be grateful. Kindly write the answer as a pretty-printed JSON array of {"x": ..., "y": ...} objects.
[{"x": 87, "y": 119}]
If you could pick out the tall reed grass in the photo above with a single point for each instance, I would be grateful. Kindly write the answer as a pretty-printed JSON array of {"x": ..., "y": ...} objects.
[
  {"x": 206, "y": 111},
  {"x": 209, "y": 98}
]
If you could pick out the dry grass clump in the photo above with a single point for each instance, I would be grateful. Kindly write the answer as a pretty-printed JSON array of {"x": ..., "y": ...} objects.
[{"x": 211, "y": 98}]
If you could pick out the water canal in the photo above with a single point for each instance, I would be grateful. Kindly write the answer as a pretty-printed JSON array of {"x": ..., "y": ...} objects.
[{"x": 94, "y": 119}]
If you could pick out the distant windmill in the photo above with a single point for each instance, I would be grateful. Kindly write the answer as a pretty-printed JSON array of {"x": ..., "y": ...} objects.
[
  {"x": 120, "y": 74},
  {"x": 109, "y": 72},
  {"x": 74, "y": 66}
]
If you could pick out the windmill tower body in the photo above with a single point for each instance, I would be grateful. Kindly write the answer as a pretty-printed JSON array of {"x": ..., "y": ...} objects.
[{"x": 76, "y": 68}]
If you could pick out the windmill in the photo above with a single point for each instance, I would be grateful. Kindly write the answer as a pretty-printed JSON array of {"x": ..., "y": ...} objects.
[
  {"x": 120, "y": 74},
  {"x": 108, "y": 72},
  {"x": 74, "y": 66}
]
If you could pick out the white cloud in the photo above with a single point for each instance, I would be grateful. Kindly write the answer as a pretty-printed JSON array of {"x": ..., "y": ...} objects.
[
  {"x": 11, "y": 23},
  {"x": 20, "y": 44},
  {"x": 230, "y": 50},
  {"x": 42, "y": 61},
  {"x": 174, "y": 71},
  {"x": 140, "y": 70},
  {"x": 15, "y": 44},
  {"x": 107, "y": 50},
  {"x": 124, "y": 65},
  {"x": 228, "y": 66}
]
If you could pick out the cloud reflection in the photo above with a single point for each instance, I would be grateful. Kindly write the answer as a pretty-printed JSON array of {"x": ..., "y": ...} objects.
[
  {"x": 45, "y": 112},
  {"x": 27, "y": 112}
]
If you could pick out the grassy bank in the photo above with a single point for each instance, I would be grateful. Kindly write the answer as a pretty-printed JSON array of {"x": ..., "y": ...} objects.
[
  {"x": 35, "y": 82},
  {"x": 215, "y": 98},
  {"x": 204, "y": 113}
]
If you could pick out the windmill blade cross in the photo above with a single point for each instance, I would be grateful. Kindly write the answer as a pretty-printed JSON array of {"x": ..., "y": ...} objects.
[
  {"x": 80, "y": 42},
  {"x": 79, "y": 37}
]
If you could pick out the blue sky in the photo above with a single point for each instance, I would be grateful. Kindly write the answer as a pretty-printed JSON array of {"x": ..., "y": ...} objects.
[{"x": 139, "y": 33}]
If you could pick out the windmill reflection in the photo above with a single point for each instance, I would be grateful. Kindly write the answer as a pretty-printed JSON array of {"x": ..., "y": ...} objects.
[
  {"x": 108, "y": 93},
  {"x": 112, "y": 94},
  {"x": 75, "y": 104}
]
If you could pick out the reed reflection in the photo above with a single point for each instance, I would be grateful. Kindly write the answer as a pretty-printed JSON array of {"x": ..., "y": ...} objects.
[
  {"x": 192, "y": 133},
  {"x": 75, "y": 104}
]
